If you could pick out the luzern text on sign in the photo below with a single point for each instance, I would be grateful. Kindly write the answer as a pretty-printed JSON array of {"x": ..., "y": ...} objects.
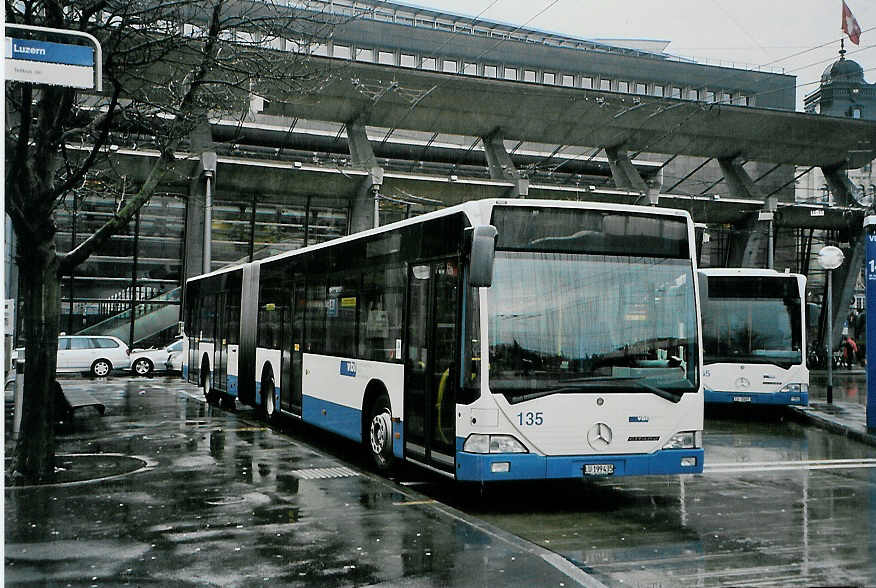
[{"x": 43, "y": 62}]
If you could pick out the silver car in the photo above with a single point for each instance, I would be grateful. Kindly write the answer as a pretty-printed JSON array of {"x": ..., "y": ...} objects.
[
  {"x": 146, "y": 361},
  {"x": 98, "y": 355}
]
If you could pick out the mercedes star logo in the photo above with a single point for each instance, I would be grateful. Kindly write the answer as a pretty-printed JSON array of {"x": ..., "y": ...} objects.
[
  {"x": 599, "y": 436},
  {"x": 742, "y": 383}
]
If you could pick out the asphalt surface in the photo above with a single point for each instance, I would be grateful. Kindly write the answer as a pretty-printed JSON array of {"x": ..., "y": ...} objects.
[
  {"x": 166, "y": 490},
  {"x": 174, "y": 492}
]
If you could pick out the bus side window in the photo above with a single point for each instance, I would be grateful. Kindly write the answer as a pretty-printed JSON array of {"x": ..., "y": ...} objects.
[{"x": 380, "y": 318}]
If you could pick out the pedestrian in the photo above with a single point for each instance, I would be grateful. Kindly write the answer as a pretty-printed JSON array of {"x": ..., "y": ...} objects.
[{"x": 850, "y": 350}]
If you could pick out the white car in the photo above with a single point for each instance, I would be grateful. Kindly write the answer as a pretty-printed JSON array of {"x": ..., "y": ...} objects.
[
  {"x": 98, "y": 355},
  {"x": 146, "y": 361}
]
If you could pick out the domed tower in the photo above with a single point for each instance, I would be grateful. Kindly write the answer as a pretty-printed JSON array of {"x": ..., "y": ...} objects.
[{"x": 843, "y": 92}]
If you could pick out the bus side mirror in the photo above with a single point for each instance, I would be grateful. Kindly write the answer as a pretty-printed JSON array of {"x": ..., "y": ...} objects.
[{"x": 481, "y": 255}]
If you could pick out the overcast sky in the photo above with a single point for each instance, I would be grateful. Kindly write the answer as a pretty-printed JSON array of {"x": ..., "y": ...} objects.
[{"x": 747, "y": 33}]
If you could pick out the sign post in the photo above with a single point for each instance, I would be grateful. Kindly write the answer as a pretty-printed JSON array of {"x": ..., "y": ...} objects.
[{"x": 870, "y": 273}]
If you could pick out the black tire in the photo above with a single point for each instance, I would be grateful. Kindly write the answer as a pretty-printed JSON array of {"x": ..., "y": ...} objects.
[
  {"x": 268, "y": 405},
  {"x": 142, "y": 366},
  {"x": 378, "y": 439},
  {"x": 209, "y": 394},
  {"x": 101, "y": 368}
]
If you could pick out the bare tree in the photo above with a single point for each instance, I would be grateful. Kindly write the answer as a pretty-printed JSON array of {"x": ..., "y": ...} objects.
[{"x": 169, "y": 67}]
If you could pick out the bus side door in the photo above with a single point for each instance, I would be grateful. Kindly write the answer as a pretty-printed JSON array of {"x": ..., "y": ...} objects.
[{"x": 430, "y": 366}]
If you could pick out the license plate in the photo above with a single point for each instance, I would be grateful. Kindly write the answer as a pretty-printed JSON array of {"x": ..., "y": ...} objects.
[
  {"x": 742, "y": 399},
  {"x": 598, "y": 469}
]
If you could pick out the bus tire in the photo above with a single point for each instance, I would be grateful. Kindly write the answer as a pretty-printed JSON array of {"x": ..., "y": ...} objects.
[
  {"x": 268, "y": 404},
  {"x": 209, "y": 394},
  {"x": 378, "y": 442}
]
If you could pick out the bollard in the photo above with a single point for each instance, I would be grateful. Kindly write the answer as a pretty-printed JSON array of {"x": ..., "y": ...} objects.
[{"x": 19, "y": 395}]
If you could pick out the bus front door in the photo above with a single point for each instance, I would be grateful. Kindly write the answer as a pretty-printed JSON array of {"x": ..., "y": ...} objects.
[{"x": 430, "y": 368}]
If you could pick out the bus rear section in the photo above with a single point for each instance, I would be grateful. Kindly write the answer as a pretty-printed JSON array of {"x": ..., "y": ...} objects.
[
  {"x": 754, "y": 337},
  {"x": 591, "y": 348}
]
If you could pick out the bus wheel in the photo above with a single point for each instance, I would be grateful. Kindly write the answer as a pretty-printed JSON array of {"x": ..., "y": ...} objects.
[
  {"x": 380, "y": 434},
  {"x": 205, "y": 385},
  {"x": 269, "y": 407}
]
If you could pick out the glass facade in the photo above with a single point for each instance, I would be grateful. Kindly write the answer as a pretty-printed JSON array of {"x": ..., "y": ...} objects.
[{"x": 143, "y": 264}]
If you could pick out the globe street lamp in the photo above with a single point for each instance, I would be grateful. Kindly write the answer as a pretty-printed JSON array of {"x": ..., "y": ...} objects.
[{"x": 830, "y": 258}]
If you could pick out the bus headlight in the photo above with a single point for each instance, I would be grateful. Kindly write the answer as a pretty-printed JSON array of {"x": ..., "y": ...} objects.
[
  {"x": 477, "y": 443},
  {"x": 685, "y": 440},
  {"x": 796, "y": 389}
]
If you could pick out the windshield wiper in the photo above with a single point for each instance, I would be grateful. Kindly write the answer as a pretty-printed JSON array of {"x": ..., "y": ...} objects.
[{"x": 601, "y": 381}]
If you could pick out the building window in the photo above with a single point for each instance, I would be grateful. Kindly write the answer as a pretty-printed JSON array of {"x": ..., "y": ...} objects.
[
  {"x": 549, "y": 78},
  {"x": 450, "y": 66},
  {"x": 510, "y": 73},
  {"x": 386, "y": 58},
  {"x": 364, "y": 54},
  {"x": 528, "y": 75},
  {"x": 587, "y": 82},
  {"x": 320, "y": 50},
  {"x": 640, "y": 88},
  {"x": 341, "y": 52},
  {"x": 623, "y": 87},
  {"x": 430, "y": 63},
  {"x": 658, "y": 90},
  {"x": 710, "y": 96},
  {"x": 605, "y": 85},
  {"x": 725, "y": 97},
  {"x": 470, "y": 69},
  {"x": 693, "y": 94},
  {"x": 491, "y": 71},
  {"x": 408, "y": 60},
  {"x": 676, "y": 92},
  {"x": 856, "y": 112}
]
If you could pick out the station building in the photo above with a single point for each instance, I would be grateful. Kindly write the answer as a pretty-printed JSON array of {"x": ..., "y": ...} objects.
[{"x": 425, "y": 109}]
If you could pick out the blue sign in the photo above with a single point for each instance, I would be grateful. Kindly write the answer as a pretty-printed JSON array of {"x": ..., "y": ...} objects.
[
  {"x": 44, "y": 51},
  {"x": 870, "y": 274},
  {"x": 348, "y": 368}
]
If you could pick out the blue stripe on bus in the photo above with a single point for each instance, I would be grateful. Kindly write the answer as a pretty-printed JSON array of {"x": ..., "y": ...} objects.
[
  {"x": 232, "y": 385},
  {"x": 185, "y": 372},
  {"x": 772, "y": 398},
  {"x": 528, "y": 466},
  {"x": 343, "y": 420},
  {"x": 398, "y": 438}
]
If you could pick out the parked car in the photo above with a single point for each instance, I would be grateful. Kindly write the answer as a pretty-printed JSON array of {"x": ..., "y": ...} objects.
[
  {"x": 175, "y": 359},
  {"x": 146, "y": 361},
  {"x": 99, "y": 355}
]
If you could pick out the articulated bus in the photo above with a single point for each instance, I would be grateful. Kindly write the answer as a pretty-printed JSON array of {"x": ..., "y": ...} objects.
[
  {"x": 493, "y": 340},
  {"x": 754, "y": 336}
]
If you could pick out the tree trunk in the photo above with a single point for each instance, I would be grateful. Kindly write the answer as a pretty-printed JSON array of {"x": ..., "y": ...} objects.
[{"x": 40, "y": 285}]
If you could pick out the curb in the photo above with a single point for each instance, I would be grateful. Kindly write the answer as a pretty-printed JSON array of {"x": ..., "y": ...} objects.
[{"x": 807, "y": 414}]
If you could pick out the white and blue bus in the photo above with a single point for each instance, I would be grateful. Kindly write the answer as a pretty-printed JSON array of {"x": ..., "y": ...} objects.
[
  {"x": 493, "y": 340},
  {"x": 754, "y": 336}
]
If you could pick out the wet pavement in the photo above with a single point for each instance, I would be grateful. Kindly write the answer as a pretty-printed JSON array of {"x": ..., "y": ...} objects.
[
  {"x": 188, "y": 494},
  {"x": 217, "y": 498}
]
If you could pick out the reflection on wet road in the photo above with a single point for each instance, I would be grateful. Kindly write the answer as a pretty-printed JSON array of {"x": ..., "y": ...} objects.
[{"x": 778, "y": 504}]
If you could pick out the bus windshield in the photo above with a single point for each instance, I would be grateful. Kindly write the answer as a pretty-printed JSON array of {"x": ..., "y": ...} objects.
[
  {"x": 580, "y": 322},
  {"x": 752, "y": 320}
]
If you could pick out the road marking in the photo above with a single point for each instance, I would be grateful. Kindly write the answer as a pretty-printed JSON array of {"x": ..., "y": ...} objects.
[
  {"x": 773, "y": 466},
  {"x": 414, "y": 502}
]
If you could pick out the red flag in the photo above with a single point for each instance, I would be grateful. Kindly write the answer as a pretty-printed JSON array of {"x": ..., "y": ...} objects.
[{"x": 850, "y": 25}]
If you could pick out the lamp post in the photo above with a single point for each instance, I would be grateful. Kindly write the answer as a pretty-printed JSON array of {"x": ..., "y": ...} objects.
[{"x": 830, "y": 258}]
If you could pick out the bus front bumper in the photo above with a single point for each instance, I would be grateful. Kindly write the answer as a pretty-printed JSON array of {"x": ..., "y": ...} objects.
[
  {"x": 773, "y": 398},
  {"x": 489, "y": 467}
]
